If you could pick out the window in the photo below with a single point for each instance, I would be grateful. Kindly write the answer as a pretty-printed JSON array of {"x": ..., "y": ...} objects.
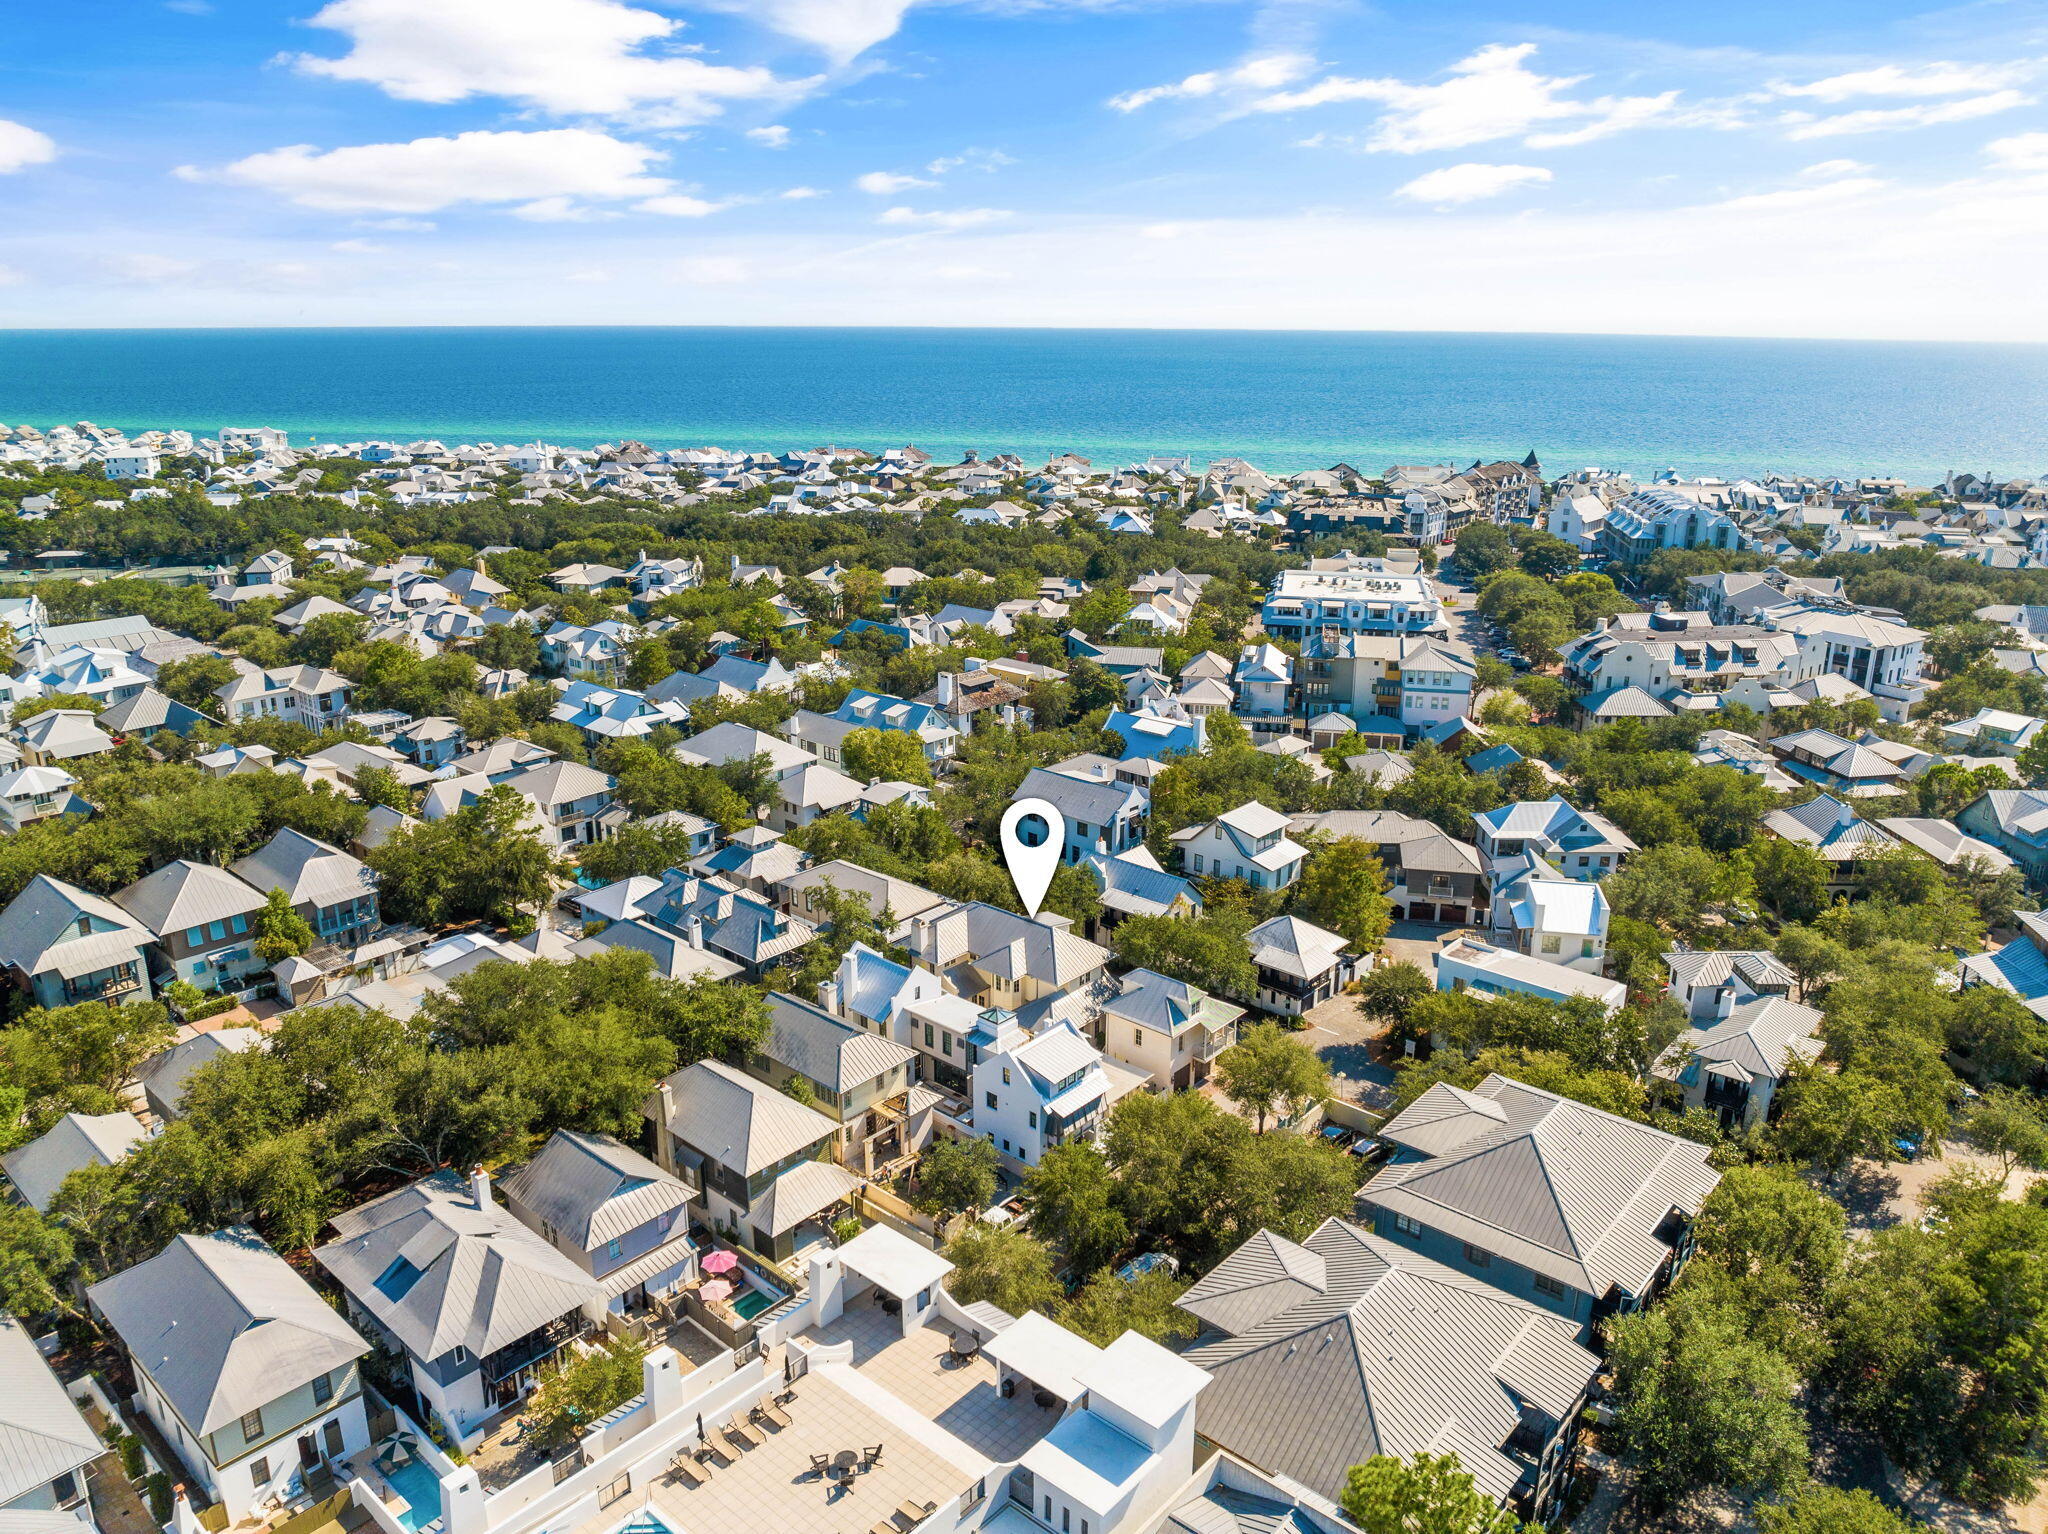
[
  {"x": 927, "y": 1035},
  {"x": 1198, "y": 862},
  {"x": 991, "y": 1100},
  {"x": 1543, "y": 1283},
  {"x": 323, "y": 1390},
  {"x": 1476, "y": 1257},
  {"x": 1586, "y": 949},
  {"x": 1406, "y": 1226},
  {"x": 1034, "y": 1119},
  {"x": 196, "y": 937},
  {"x": 240, "y": 925},
  {"x": 259, "y": 1471},
  {"x": 335, "y": 1442},
  {"x": 1006, "y": 1077},
  {"x": 613, "y": 1250},
  {"x": 1553, "y": 944},
  {"x": 945, "y": 1045},
  {"x": 252, "y": 1429},
  {"x": 460, "y": 1355},
  {"x": 663, "y": 1220},
  {"x": 217, "y": 930}
]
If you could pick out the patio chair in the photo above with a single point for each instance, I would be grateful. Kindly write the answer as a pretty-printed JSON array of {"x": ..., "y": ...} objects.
[
  {"x": 883, "y": 1528},
  {"x": 869, "y": 1458},
  {"x": 820, "y": 1463},
  {"x": 685, "y": 1468},
  {"x": 744, "y": 1433}
]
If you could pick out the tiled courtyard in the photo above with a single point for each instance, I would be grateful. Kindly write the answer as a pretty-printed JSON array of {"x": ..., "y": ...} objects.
[
  {"x": 773, "y": 1486},
  {"x": 961, "y": 1396}
]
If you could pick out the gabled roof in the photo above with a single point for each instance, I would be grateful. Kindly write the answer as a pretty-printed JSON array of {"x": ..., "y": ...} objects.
[
  {"x": 163, "y": 1076},
  {"x": 1755, "y": 1042},
  {"x": 76, "y": 1140},
  {"x": 306, "y": 869},
  {"x": 593, "y": 1189},
  {"x": 1350, "y": 1345},
  {"x": 185, "y": 894},
  {"x": 42, "y": 1435},
  {"x": 743, "y": 1123},
  {"x": 223, "y": 1325},
  {"x": 1290, "y": 946},
  {"x": 1560, "y": 1188},
  {"x": 812, "y": 1042},
  {"x": 440, "y": 1272},
  {"x": 1159, "y": 1001},
  {"x": 39, "y": 930},
  {"x": 1757, "y": 968}
]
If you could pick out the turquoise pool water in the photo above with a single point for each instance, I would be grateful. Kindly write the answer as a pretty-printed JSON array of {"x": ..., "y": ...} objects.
[
  {"x": 416, "y": 1482},
  {"x": 644, "y": 1523},
  {"x": 751, "y": 1302}
]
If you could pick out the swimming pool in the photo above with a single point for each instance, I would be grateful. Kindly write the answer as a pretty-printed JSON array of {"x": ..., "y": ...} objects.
[
  {"x": 416, "y": 1482},
  {"x": 751, "y": 1302},
  {"x": 644, "y": 1522}
]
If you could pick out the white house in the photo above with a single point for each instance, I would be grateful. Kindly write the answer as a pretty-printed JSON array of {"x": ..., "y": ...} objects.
[
  {"x": 1034, "y": 1091},
  {"x": 1470, "y": 965},
  {"x": 1249, "y": 843}
]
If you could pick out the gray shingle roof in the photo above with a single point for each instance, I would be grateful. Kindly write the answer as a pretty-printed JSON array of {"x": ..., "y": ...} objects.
[
  {"x": 223, "y": 1325},
  {"x": 814, "y": 1043},
  {"x": 1560, "y": 1188},
  {"x": 593, "y": 1189},
  {"x": 1390, "y": 1354},
  {"x": 42, "y": 1436},
  {"x": 39, "y": 1168},
  {"x": 745, "y": 1124},
  {"x": 478, "y": 1278}
]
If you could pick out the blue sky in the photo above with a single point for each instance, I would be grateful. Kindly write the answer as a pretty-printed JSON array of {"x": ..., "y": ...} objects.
[{"x": 1824, "y": 168}]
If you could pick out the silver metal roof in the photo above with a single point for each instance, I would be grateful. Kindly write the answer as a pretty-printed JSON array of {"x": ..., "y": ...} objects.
[
  {"x": 811, "y": 1041},
  {"x": 39, "y": 1168},
  {"x": 42, "y": 1436},
  {"x": 184, "y": 894},
  {"x": 742, "y": 1123},
  {"x": 592, "y": 1189},
  {"x": 306, "y": 869}
]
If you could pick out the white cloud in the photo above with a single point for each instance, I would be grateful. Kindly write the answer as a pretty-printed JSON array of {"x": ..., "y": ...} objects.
[
  {"x": 1265, "y": 72},
  {"x": 359, "y": 247},
  {"x": 587, "y": 274},
  {"x": 1799, "y": 125},
  {"x": 1470, "y": 182},
  {"x": 1847, "y": 189},
  {"x": 399, "y": 225},
  {"x": 1936, "y": 79},
  {"x": 676, "y": 205},
  {"x": 2021, "y": 152},
  {"x": 1491, "y": 94},
  {"x": 771, "y": 136},
  {"x": 957, "y": 218},
  {"x": 839, "y": 29},
  {"x": 428, "y": 174},
  {"x": 559, "y": 210},
  {"x": 582, "y": 57},
  {"x": 883, "y": 183},
  {"x": 970, "y": 159},
  {"x": 1828, "y": 170},
  {"x": 801, "y": 194},
  {"x": 21, "y": 146},
  {"x": 147, "y": 267}
]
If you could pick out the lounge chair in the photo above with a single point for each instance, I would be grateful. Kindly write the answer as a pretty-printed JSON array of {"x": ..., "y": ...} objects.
[
  {"x": 685, "y": 1468},
  {"x": 744, "y": 1432},
  {"x": 771, "y": 1414}
]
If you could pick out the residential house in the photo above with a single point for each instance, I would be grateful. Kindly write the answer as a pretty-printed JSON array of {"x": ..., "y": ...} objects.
[
  {"x": 577, "y": 804},
  {"x": 734, "y": 742},
  {"x": 204, "y": 921},
  {"x": 477, "y": 1305},
  {"x": 1992, "y": 732},
  {"x": 1133, "y": 884},
  {"x": 249, "y": 1375},
  {"x": 1249, "y": 843},
  {"x": 1299, "y": 964},
  {"x": 29, "y": 794},
  {"x": 1168, "y": 1029},
  {"x": 1103, "y": 818},
  {"x": 308, "y": 695},
  {"x": 1841, "y": 837},
  {"x": 62, "y": 945},
  {"x": 37, "y": 1169},
  {"x": 758, "y": 1161},
  {"x": 46, "y": 1445},
  {"x": 1577, "y": 1211},
  {"x": 1844, "y": 767},
  {"x": 1537, "y": 910},
  {"x": 612, "y": 1212},
  {"x": 1387, "y": 683},
  {"x": 927, "y": 723},
  {"x": 1264, "y": 680},
  {"x": 744, "y": 928},
  {"x": 1034, "y": 967},
  {"x": 1368, "y": 596},
  {"x": 1655, "y": 517},
  {"x": 596, "y": 652},
  {"x": 61, "y": 735},
  {"x": 164, "y": 1076},
  {"x": 1325, "y": 1354},
  {"x": 613, "y": 713},
  {"x": 1033, "y": 1091},
  {"x": 2014, "y": 820},
  {"x": 889, "y": 899},
  {"x": 1582, "y": 844},
  {"x": 850, "y": 1074},
  {"x": 148, "y": 714},
  {"x": 1467, "y": 964},
  {"x": 334, "y": 892},
  {"x": 1161, "y": 731},
  {"x": 1732, "y": 1067},
  {"x": 1944, "y": 842},
  {"x": 1430, "y": 877},
  {"x": 810, "y": 793},
  {"x": 1711, "y": 984}
]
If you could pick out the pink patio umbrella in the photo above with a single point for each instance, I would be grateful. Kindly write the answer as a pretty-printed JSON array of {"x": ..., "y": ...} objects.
[
  {"x": 721, "y": 1262},
  {"x": 718, "y": 1289}
]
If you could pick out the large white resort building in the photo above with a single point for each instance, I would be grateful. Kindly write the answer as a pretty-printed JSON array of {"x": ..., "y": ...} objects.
[{"x": 1367, "y": 598}]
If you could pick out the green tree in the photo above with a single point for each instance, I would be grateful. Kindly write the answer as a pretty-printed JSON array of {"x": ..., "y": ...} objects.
[
  {"x": 1268, "y": 1072},
  {"x": 36, "y": 1262},
  {"x": 1676, "y": 887},
  {"x": 955, "y": 1176},
  {"x": 1392, "y": 990},
  {"x": 1815, "y": 1509},
  {"x": 196, "y": 681},
  {"x": 281, "y": 932},
  {"x": 1703, "y": 1403},
  {"x": 1004, "y": 1268},
  {"x": 569, "y": 1400},
  {"x": 2011, "y": 1125},
  {"x": 1107, "y": 1306},
  {"x": 1207, "y": 951},
  {"x": 1424, "y": 1494},
  {"x": 892, "y": 756},
  {"x": 1072, "y": 1198},
  {"x": 1343, "y": 887},
  {"x": 1790, "y": 879}
]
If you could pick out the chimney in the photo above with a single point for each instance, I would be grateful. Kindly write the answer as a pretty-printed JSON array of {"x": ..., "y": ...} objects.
[
  {"x": 949, "y": 689},
  {"x": 480, "y": 1187},
  {"x": 695, "y": 932}
]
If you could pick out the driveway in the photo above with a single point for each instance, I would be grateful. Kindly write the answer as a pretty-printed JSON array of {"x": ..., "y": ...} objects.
[
  {"x": 1417, "y": 942},
  {"x": 1353, "y": 1046}
]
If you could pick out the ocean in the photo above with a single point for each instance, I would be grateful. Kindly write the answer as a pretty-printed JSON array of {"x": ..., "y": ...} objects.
[{"x": 1284, "y": 400}]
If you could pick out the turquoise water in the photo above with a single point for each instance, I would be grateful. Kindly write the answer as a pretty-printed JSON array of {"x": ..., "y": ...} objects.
[
  {"x": 645, "y": 1523},
  {"x": 751, "y": 1302},
  {"x": 1284, "y": 399},
  {"x": 416, "y": 1482}
]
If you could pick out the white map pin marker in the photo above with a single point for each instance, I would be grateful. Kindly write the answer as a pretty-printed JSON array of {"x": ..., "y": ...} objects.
[{"x": 1033, "y": 834}]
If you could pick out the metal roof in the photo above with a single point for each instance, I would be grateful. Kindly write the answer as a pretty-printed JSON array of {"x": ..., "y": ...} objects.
[
  {"x": 307, "y": 870},
  {"x": 593, "y": 1189},
  {"x": 812, "y": 1042},
  {"x": 163, "y": 1076},
  {"x": 223, "y": 1325},
  {"x": 1391, "y": 1354},
  {"x": 1562, "y": 1189},
  {"x": 39, "y": 930},
  {"x": 739, "y": 1122},
  {"x": 76, "y": 1140},
  {"x": 184, "y": 894},
  {"x": 42, "y": 1435},
  {"x": 441, "y": 1271},
  {"x": 800, "y": 1193}
]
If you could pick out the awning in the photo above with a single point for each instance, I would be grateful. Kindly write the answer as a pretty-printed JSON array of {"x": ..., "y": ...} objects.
[
  {"x": 893, "y": 1263},
  {"x": 664, "y": 1257},
  {"x": 800, "y": 1193},
  {"x": 1044, "y": 1352}
]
